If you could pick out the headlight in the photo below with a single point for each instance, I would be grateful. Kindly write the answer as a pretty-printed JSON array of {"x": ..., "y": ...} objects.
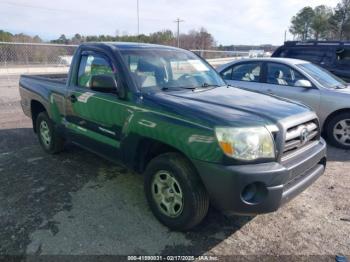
[{"x": 248, "y": 143}]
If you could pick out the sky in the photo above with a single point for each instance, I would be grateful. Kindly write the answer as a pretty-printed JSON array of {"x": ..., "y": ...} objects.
[{"x": 229, "y": 21}]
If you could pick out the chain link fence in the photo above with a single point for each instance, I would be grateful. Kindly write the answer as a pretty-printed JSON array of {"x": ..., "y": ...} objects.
[
  {"x": 28, "y": 55},
  {"x": 34, "y": 54},
  {"x": 218, "y": 57},
  {"x": 32, "y": 58},
  {"x": 39, "y": 58}
]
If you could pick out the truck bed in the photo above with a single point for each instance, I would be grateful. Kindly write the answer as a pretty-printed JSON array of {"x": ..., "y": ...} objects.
[
  {"x": 40, "y": 88},
  {"x": 58, "y": 78}
]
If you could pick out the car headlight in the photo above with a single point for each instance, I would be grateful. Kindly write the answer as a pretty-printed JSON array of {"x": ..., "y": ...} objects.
[{"x": 247, "y": 143}]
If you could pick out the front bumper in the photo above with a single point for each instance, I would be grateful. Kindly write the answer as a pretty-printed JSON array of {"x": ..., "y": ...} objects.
[{"x": 281, "y": 181}]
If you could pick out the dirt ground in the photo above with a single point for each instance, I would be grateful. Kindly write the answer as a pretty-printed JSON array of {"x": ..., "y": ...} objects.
[{"x": 78, "y": 203}]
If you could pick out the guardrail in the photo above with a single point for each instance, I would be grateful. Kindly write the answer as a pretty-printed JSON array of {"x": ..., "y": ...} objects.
[{"x": 216, "y": 54}]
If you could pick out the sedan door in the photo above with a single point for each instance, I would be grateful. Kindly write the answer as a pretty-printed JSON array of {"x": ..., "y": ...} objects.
[
  {"x": 246, "y": 75},
  {"x": 284, "y": 81}
]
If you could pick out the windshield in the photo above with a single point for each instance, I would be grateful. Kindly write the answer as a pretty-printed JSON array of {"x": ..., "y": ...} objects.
[
  {"x": 324, "y": 77},
  {"x": 168, "y": 69}
]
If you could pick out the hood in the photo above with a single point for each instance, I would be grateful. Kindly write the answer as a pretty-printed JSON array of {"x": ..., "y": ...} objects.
[{"x": 228, "y": 105}]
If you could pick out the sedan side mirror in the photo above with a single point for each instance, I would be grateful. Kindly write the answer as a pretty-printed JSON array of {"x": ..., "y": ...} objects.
[
  {"x": 104, "y": 83},
  {"x": 303, "y": 83}
]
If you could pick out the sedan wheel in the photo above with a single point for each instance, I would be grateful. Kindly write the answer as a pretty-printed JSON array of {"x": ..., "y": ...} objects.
[
  {"x": 341, "y": 132},
  {"x": 338, "y": 130}
]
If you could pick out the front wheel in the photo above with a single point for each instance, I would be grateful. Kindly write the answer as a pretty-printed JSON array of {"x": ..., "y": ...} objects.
[
  {"x": 338, "y": 131},
  {"x": 174, "y": 192}
]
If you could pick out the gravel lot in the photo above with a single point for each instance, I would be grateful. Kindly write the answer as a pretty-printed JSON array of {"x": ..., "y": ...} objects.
[{"x": 78, "y": 203}]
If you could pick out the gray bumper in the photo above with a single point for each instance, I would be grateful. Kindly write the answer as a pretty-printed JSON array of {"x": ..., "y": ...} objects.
[{"x": 281, "y": 181}]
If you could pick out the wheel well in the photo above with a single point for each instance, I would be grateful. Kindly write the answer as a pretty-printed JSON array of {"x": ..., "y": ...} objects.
[
  {"x": 340, "y": 111},
  {"x": 36, "y": 108},
  {"x": 149, "y": 149}
]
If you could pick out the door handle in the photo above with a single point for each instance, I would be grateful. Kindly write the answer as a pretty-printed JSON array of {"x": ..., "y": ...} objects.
[
  {"x": 73, "y": 98},
  {"x": 270, "y": 91}
]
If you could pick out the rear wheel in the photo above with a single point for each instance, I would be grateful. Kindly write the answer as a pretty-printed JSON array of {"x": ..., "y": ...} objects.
[
  {"x": 338, "y": 131},
  {"x": 174, "y": 192},
  {"x": 50, "y": 141}
]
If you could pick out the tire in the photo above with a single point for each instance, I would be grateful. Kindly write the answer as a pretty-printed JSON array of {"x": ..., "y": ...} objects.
[
  {"x": 49, "y": 140},
  {"x": 185, "y": 182},
  {"x": 338, "y": 131}
]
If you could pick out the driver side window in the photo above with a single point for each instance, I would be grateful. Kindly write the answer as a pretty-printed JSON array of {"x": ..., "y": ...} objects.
[{"x": 91, "y": 65}]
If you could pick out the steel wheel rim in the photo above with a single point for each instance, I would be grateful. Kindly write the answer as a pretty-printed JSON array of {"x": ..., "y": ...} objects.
[
  {"x": 341, "y": 132},
  {"x": 45, "y": 134},
  {"x": 167, "y": 194}
]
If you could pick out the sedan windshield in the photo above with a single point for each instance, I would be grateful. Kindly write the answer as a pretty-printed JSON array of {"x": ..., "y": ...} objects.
[
  {"x": 169, "y": 69},
  {"x": 323, "y": 76}
]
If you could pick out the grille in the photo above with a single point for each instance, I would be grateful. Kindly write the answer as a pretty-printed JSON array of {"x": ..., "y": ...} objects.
[{"x": 300, "y": 136}]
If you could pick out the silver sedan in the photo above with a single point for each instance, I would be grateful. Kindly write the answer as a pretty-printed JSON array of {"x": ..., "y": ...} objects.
[{"x": 302, "y": 81}]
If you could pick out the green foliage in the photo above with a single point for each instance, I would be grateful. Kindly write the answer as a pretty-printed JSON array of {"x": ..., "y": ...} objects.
[
  {"x": 301, "y": 23},
  {"x": 195, "y": 39},
  {"x": 340, "y": 20},
  {"x": 5, "y": 36},
  {"x": 23, "y": 38},
  {"x": 322, "y": 22}
]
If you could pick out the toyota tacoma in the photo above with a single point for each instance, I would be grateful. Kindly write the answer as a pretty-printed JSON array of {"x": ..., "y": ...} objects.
[{"x": 165, "y": 112}]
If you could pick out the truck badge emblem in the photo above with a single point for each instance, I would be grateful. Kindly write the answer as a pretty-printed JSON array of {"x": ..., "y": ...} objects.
[{"x": 304, "y": 136}]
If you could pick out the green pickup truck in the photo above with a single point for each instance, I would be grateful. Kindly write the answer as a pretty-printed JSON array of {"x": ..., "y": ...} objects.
[{"x": 165, "y": 112}]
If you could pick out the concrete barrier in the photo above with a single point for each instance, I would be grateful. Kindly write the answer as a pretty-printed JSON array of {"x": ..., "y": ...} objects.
[
  {"x": 33, "y": 70},
  {"x": 220, "y": 61}
]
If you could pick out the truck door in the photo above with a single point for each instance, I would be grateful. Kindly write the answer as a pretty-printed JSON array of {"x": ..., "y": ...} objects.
[{"x": 95, "y": 119}]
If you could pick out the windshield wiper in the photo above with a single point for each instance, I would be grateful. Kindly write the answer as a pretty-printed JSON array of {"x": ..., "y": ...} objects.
[
  {"x": 340, "y": 86},
  {"x": 209, "y": 85},
  {"x": 166, "y": 88}
]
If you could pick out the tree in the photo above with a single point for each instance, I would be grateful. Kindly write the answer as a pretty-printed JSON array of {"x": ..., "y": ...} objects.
[
  {"x": 301, "y": 23},
  {"x": 195, "y": 39},
  {"x": 37, "y": 39},
  {"x": 61, "y": 40},
  {"x": 5, "y": 36},
  {"x": 164, "y": 37},
  {"x": 320, "y": 22},
  {"x": 76, "y": 39},
  {"x": 340, "y": 20},
  {"x": 200, "y": 39}
]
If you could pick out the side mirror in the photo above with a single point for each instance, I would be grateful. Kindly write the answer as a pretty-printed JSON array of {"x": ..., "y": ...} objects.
[
  {"x": 104, "y": 83},
  {"x": 303, "y": 83}
]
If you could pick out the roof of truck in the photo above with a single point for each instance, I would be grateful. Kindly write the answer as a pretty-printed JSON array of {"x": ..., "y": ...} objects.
[
  {"x": 313, "y": 43},
  {"x": 131, "y": 45}
]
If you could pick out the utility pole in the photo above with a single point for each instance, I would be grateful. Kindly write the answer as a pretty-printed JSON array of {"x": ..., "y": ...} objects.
[
  {"x": 178, "y": 21},
  {"x": 138, "y": 18},
  {"x": 285, "y": 35}
]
